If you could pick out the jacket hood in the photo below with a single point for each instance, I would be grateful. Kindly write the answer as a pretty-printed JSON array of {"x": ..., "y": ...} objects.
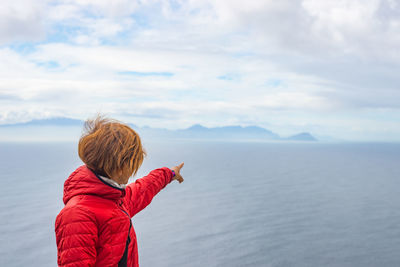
[{"x": 84, "y": 182}]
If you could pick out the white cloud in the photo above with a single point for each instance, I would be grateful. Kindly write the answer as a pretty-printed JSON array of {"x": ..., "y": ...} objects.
[
  {"x": 21, "y": 20},
  {"x": 109, "y": 8},
  {"x": 302, "y": 64}
]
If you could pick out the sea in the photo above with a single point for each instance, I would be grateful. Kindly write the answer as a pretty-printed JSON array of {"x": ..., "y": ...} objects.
[{"x": 241, "y": 204}]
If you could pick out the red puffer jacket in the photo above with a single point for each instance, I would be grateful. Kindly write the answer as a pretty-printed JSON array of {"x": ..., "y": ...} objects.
[{"x": 94, "y": 227}]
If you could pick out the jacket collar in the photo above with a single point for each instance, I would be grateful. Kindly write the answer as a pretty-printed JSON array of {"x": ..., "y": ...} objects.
[
  {"x": 83, "y": 181},
  {"x": 112, "y": 182}
]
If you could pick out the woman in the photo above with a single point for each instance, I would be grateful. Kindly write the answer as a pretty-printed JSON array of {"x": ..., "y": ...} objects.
[{"x": 94, "y": 228}]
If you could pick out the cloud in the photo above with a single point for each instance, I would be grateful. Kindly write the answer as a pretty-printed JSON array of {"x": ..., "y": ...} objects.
[
  {"x": 21, "y": 20},
  {"x": 307, "y": 63}
]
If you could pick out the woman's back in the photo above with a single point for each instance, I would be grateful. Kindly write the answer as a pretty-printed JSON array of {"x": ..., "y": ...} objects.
[{"x": 92, "y": 229}]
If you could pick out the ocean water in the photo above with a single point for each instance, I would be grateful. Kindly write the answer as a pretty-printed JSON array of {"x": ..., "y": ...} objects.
[{"x": 242, "y": 204}]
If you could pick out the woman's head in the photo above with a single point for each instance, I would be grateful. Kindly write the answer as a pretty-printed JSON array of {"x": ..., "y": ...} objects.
[{"x": 111, "y": 149}]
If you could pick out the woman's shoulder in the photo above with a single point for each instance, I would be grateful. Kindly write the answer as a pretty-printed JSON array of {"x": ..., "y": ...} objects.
[{"x": 87, "y": 208}]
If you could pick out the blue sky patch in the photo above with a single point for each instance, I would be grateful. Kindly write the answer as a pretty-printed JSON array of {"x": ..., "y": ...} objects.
[
  {"x": 145, "y": 74},
  {"x": 23, "y": 48},
  {"x": 274, "y": 82},
  {"x": 229, "y": 77},
  {"x": 48, "y": 64}
]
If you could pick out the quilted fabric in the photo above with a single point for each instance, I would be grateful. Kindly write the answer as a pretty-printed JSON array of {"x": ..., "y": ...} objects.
[{"x": 93, "y": 227}]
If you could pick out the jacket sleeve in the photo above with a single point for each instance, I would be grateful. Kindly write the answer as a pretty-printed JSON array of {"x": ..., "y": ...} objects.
[
  {"x": 76, "y": 237},
  {"x": 140, "y": 193}
]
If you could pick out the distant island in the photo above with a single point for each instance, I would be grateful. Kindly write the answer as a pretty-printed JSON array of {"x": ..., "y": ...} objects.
[
  {"x": 302, "y": 137},
  {"x": 196, "y": 131}
]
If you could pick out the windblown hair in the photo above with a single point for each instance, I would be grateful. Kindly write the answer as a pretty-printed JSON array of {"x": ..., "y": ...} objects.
[{"x": 109, "y": 147}]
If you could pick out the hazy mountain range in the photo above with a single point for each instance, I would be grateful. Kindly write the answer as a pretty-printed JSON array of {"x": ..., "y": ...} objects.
[{"x": 64, "y": 127}]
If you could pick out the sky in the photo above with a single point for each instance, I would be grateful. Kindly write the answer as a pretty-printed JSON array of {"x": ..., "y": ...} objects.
[{"x": 326, "y": 67}]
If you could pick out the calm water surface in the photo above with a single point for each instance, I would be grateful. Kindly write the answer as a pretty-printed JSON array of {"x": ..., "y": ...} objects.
[{"x": 242, "y": 204}]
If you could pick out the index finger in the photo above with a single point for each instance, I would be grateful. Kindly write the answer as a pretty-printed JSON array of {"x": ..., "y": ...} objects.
[{"x": 180, "y": 165}]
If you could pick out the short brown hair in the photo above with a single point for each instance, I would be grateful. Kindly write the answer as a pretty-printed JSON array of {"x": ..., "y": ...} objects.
[{"x": 109, "y": 147}]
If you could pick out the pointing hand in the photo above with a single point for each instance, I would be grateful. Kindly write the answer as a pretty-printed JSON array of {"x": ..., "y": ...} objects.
[{"x": 177, "y": 170}]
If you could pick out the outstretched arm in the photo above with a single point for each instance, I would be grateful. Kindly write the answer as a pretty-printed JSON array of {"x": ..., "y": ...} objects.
[{"x": 140, "y": 193}]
